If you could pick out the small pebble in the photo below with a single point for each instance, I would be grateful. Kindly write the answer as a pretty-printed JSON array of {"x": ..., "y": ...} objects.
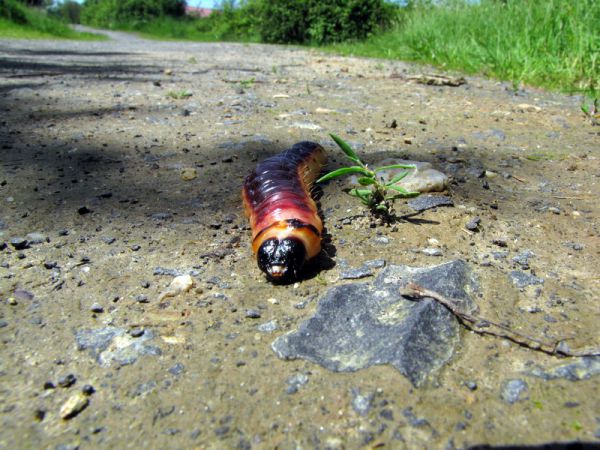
[
  {"x": 135, "y": 247},
  {"x": 88, "y": 389},
  {"x": 67, "y": 380},
  {"x": 253, "y": 314},
  {"x": 19, "y": 243},
  {"x": 141, "y": 298},
  {"x": 84, "y": 210},
  {"x": 73, "y": 406},
  {"x": 430, "y": 251},
  {"x": 50, "y": 264},
  {"x": 473, "y": 224},
  {"x": 96, "y": 308},
  {"x": 49, "y": 385},
  {"x": 136, "y": 332},
  {"x": 176, "y": 369},
  {"x": 514, "y": 391},
  {"x": 145, "y": 284}
]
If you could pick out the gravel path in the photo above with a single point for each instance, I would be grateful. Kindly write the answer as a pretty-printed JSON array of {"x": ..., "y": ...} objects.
[{"x": 121, "y": 167}]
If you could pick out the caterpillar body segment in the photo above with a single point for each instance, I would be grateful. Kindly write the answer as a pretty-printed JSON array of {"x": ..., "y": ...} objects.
[{"x": 286, "y": 227}]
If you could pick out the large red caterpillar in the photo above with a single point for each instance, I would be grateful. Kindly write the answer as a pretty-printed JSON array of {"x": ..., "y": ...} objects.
[{"x": 286, "y": 228}]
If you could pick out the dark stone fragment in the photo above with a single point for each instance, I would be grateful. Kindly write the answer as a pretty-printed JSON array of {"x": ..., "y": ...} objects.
[
  {"x": 142, "y": 298},
  {"x": 252, "y": 314},
  {"x": 106, "y": 350},
  {"x": 3, "y": 245},
  {"x": 109, "y": 240},
  {"x": 473, "y": 224},
  {"x": 19, "y": 243},
  {"x": 363, "y": 324},
  {"x": 63, "y": 233},
  {"x": 49, "y": 385},
  {"x": 97, "y": 308},
  {"x": 166, "y": 271},
  {"x": 67, "y": 380},
  {"x": 424, "y": 202},
  {"x": 88, "y": 389},
  {"x": 136, "y": 332},
  {"x": 135, "y": 247},
  {"x": 222, "y": 431},
  {"x": 471, "y": 385},
  {"x": 413, "y": 420},
  {"x": 500, "y": 242},
  {"x": 522, "y": 259},
  {"x": 356, "y": 273},
  {"x": 176, "y": 369},
  {"x": 581, "y": 369},
  {"x": 522, "y": 279},
  {"x": 386, "y": 414},
  {"x": 514, "y": 391},
  {"x": 84, "y": 210},
  {"x": 50, "y": 264},
  {"x": 39, "y": 414}
]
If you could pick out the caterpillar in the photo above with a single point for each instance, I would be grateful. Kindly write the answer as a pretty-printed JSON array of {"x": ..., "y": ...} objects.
[{"x": 286, "y": 227}]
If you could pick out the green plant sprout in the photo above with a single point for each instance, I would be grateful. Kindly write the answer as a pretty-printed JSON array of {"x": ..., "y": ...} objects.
[
  {"x": 377, "y": 194},
  {"x": 179, "y": 95}
]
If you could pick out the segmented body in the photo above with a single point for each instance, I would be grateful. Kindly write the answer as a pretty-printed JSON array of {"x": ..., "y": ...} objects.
[{"x": 277, "y": 200}]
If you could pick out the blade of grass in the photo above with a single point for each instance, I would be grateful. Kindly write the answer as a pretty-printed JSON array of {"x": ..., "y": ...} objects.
[
  {"x": 343, "y": 171},
  {"x": 346, "y": 149}
]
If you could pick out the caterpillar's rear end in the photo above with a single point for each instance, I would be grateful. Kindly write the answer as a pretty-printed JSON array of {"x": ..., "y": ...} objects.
[{"x": 286, "y": 227}]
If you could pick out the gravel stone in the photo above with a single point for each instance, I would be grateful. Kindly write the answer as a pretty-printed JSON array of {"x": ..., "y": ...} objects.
[
  {"x": 425, "y": 202},
  {"x": 362, "y": 324},
  {"x": 521, "y": 279},
  {"x": 514, "y": 390}
]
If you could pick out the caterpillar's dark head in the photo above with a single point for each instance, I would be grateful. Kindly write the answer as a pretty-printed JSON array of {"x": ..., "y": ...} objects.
[{"x": 281, "y": 259}]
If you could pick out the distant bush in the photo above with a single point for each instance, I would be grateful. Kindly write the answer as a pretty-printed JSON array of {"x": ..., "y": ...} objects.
[
  {"x": 112, "y": 13},
  {"x": 320, "y": 21},
  {"x": 13, "y": 11},
  {"x": 231, "y": 23},
  {"x": 68, "y": 11}
]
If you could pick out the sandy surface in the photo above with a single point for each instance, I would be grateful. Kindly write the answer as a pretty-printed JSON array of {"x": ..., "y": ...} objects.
[{"x": 94, "y": 143}]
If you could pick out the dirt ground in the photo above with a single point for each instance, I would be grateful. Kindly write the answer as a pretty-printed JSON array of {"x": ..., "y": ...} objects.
[{"x": 121, "y": 166}]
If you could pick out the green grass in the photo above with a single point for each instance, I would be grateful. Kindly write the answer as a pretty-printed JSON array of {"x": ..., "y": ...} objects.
[
  {"x": 20, "y": 22},
  {"x": 549, "y": 43},
  {"x": 168, "y": 28}
]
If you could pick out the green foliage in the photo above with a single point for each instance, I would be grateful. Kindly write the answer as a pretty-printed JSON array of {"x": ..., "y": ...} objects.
[
  {"x": 550, "y": 43},
  {"x": 114, "y": 13},
  {"x": 380, "y": 195},
  {"x": 20, "y": 22},
  {"x": 68, "y": 11},
  {"x": 231, "y": 23},
  {"x": 319, "y": 21}
]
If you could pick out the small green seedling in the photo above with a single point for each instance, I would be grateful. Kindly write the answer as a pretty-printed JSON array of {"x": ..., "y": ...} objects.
[
  {"x": 179, "y": 95},
  {"x": 375, "y": 193}
]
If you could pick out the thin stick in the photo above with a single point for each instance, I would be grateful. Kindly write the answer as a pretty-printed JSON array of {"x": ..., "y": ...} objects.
[{"x": 477, "y": 323}]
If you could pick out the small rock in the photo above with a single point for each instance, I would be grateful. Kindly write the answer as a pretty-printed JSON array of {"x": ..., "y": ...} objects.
[
  {"x": 253, "y": 314},
  {"x": 19, "y": 243},
  {"x": 88, "y": 389},
  {"x": 142, "y": 298},
  {"x": 74, "y": 405},
  {"x": 356, "y": 273},
  {"x": 430, "y": 251},
  {"x": 84, "y": 210},
  {"x": 180, "y": 284},
  {"x": 425, "y": 202},
  {"x": 36, "y": 238},
  {"x": 50, "y": 264},
  {"x": 522, "y": 259},
  {"x": 473, "y": 224},
  {"x": 96, "y": 308},
  {"x": 67, "y": 380},
  {"x": 176, "y": 369},
  {"x": 500, "y": 242},
  {"x": 135, "y": 247},
  {"x": 188, "y": 173},
  {"x": 521, "y": 279},
  {"x": 268, "y": 327},
  {"x": 108, "y": 240},
  {"x": 361, "y": 403},
  {"x": 514, "y": 391}
]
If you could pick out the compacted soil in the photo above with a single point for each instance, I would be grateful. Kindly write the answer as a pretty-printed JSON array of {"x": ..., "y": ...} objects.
[{"x": 121, "y": 165}]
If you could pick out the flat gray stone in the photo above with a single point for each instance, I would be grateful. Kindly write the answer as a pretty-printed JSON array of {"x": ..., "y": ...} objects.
[
  {"x": 364, "y": 324},
  {"x": 580, "y": 369},
  {"x": 424, "y": 202},
  {"x": 514, "y": 391},
  {"x": 522, "y": 279},
  {"x": 114, "y": 345}
]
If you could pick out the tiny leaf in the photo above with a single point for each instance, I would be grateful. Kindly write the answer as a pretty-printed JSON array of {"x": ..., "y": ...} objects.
[
  {"x": 366, "y": 181},
  {"x": 346, "y": 148},
  {"x": 403, "y": 191},
  {"x": 342, "y": 171},
  {"x": 396, "y": 166},
  {"x": 398, "y": 177}
]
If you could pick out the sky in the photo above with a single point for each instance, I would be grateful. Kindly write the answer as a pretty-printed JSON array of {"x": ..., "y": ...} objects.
[{"x": 201, "y": 3}]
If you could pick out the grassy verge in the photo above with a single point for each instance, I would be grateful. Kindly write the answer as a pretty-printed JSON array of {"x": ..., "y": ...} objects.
[
  {"x": 549, "y": 43},
  {"x": 167, "y": 28},
  {"x": 20, "y": 22}
]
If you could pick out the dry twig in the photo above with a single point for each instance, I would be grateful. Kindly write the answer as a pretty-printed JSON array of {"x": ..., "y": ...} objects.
[{"x": 480, "y": 325}]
